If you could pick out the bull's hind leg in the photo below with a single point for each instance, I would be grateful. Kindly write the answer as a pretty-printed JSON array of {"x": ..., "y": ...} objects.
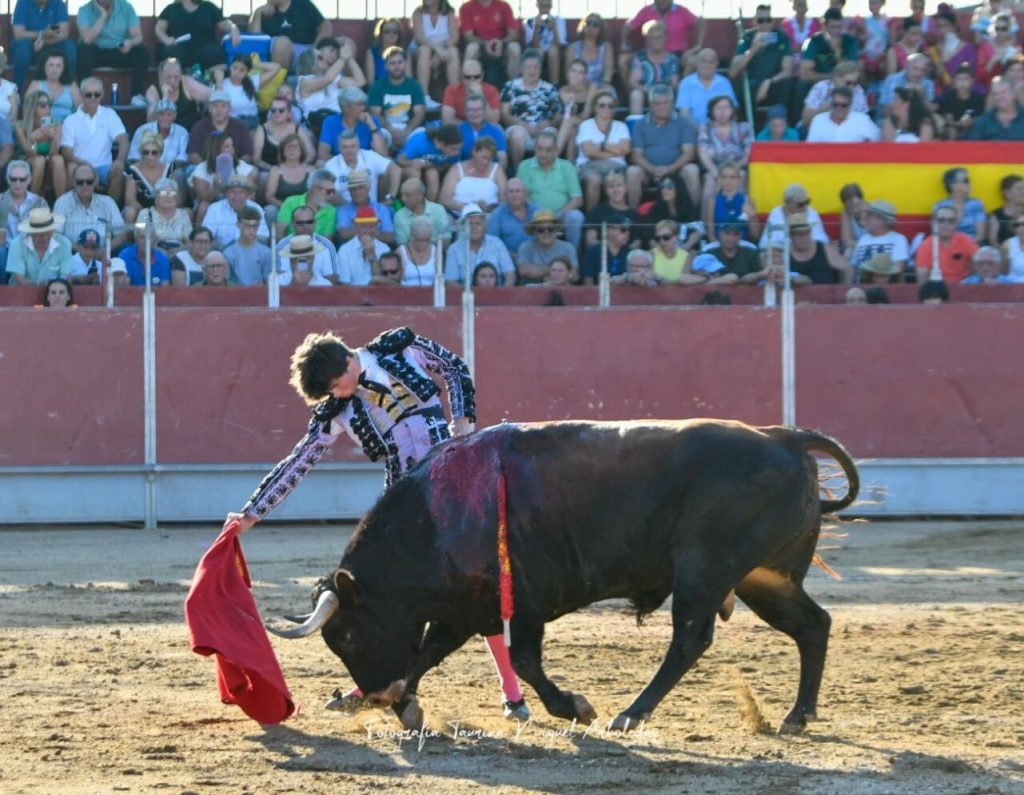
[
  {"x": 527, "y": 637},
  {"x": 693, "y": 627},
  {"x": 786, "y": 606}
]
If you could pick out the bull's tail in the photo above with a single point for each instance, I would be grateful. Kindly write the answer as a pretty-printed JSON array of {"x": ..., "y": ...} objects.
[{"x": 812, "y": 440}]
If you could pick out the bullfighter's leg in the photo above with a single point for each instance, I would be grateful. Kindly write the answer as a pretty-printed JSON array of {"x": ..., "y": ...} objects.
[
  {"x": 693, "y": 627},
  {"x": 527, "y": 637},
  {"x": 786, "y": 606}
]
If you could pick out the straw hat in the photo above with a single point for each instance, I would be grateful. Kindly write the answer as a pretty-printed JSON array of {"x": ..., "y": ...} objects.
[
  {"x": 40, "y": 220},
  {"x": 301, "y": 246}
]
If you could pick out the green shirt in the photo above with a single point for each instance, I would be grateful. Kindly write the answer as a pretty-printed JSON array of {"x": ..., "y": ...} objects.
[
  {"x": 552, "y": 189},
  {"x": 326, "y": 216},
  {"x": 116, "y": 29},
  {"x": 438, "y": 216},
  {"x": 24, "y": 261}
]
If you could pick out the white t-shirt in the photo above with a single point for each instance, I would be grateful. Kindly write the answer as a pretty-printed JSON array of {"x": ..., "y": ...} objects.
[
  {"x": 324, "y": 99},
  {"x": 367, "y": 160},
  {"x": 92, "y": 136},
  {"x": 856, "y": 129},
  {"x": 892, "y": 243},
  {"x": 352, "y": 267},
  {"x": 203, "y": 172},
  {"x": 589, "y": 132}
]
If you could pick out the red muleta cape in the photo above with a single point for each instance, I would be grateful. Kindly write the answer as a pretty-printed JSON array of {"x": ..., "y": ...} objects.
[{"x": 223, "y": 620}]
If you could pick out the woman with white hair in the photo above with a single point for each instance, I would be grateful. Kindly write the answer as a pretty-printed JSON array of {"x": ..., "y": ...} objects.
[
  {"x": 639, "y": 270},
  {"x": 419, "y": 255},
  {"x": 171, "y": 223}
]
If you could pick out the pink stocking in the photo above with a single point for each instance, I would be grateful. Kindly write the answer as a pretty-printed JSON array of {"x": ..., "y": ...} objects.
[{"x": 509, "y": 682}]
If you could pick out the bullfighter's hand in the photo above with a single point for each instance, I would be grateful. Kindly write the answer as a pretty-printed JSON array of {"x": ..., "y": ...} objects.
[
  {"x": 462, "y": 426},
  {"x": 244, "y": 520}
]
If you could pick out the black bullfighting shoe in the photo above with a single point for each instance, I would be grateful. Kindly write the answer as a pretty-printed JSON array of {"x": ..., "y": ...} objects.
[
  {"x": 517, "y": 710},
  {"x": 344, "y": 702}
]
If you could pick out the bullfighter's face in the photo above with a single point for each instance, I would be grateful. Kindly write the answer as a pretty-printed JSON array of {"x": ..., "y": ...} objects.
[{"x": 344, "y": 386}]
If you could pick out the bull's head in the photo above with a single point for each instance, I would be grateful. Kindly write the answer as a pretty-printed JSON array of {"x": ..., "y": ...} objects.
[{"x": 377, "y": 649}]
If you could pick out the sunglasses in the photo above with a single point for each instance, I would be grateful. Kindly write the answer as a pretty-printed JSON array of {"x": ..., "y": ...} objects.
[
  {"x": 84, "y": 181},
  {"x": 764, "y": 20},
  {"x": 804, "y": 203},
  {"x": 946, "y": 220},
  {"x": 279, "y": 110},
  {"x": 545, "y": 229},
  {"x": 474, "y": 77},
  {"x": 1002, "y": 30},
  {"x": 150, "y": 152},
  {"x": 663, "y": 238},
  {"x": 17, "y": 179},
  {"x": 389, "y": 271},
  {"x": 302, "y": 221},
  {"x": 91, "y": 94}
]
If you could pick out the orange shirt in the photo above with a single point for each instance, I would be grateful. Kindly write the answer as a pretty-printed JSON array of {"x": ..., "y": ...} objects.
[
  {"x": 455, "y": 97},
  {"x": 954, "y": 257},
  {"x": 487, "y": 22}
]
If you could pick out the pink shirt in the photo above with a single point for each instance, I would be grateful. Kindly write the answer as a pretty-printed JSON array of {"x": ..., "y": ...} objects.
[{"x": 679, "y": 23}]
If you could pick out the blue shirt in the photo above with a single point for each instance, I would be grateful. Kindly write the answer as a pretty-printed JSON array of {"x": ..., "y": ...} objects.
[
  {"x": 331, "y": 129},
  {"x": 347, "y": 216},
  {"x": 694, "y": 98},
  {"x": 160, "y": 272},
  {"x": 974, "y": 216},
  {"x": 28, "y": 14},
  {"x": 469, "y": 136},
  {"x": 505, "y": 225},
  {"x": 419, "y": 145}
]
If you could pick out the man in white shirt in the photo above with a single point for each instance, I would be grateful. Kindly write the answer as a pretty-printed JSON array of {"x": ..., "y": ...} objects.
[
  {"x": 325, "y": 260},
  {"x": 795, "y": 199},
  {"x": 299, "y": 255},
  {"x": 357, "y": 257},
  {"x": 840, "y": 124},
  {"x": 88, "y": 135},
  {"x": 878, "y": 237},
  {"x": 351, "y": 158},
  {"x": 222, "y": 217}
]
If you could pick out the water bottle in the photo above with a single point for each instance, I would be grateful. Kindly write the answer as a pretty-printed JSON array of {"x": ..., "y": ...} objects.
[{"x": 115, "y": 94}]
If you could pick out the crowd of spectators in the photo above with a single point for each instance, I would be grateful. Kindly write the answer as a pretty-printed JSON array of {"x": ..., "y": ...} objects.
[{"x": 488, "y": 148}]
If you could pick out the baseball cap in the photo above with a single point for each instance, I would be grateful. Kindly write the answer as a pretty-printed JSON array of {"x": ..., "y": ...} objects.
[{"x": 89, "y": 237}]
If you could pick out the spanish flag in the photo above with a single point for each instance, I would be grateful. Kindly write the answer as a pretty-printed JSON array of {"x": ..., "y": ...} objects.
[{"x": 907, "y": 174}]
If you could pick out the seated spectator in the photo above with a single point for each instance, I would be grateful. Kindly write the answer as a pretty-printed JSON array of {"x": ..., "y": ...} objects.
[
  {"x": 823, "y": 51},
  {"x": 997, "y": 50},
  {"x": 397, "y": 100},
  {"x": 933, "y": 292},
  {"x": 387, "y": 33},
  {"x": 118, "y": 272},
  {"x": 88, "y": 259},
  {"x": 559, "y": 273},
  {"x": 799, "y": 28},
  {"x": 143, "y": 175},
  {"x": 219, "y": 120},
  {"x": 731, "y": 205},
  {"x": 82, "y": 208},
  {"x": 351, "y": 158},
  {"x": 911, "y": 41},
  {"x": 1013, "y": 251},
  {"x": 612, "y": 254},
  {"x": 473, "y": 247},
  {"x": 673, "y": 204},
  {"x": 354, "y": 117},
  {"x": 435, "y": 45},
  {"x": 39, "y": 27},
  {"x": 222, "y": 217},
  {"x": 765, "y": 56},
  {"x": 89, "y": 134},
  {"x": 546, "y": 33},
  {"x": 671, "y": 261},
  {"x": 816, "y": 262},
  {"x": 880, "y": 238},
  {"x": 248, "y": 258},
  {"x": 1004, "y": 122},
  {"x": 946, "y": 253},
  {"x": 359, "y": 190},
  {"x": 206, "y": 183},
  {"x": 653, "y": 66},
  {"x": 294, "y": 25},
  {"x": 553, "y": 184},
  {"x": 594, "y": 50},
  {"x": 17, "y": 201},
  {"x": 664, "y": 146},
  {"x": 908, "y": 119},
  {"x": 879, "y": 269},
  {"x": 215, "y": 272},
  {"x": 795, "y": 199},
  {"x": 1001, "y": 221},
  {"x": 603, "y": 144},
  {"x": 419, "y": 257},
  {"x": 415, "y": 205},
  {"x": 491, "y": 35},
  {"x": 134, "y": 257},
  {"x": 325, "y": 260},
  {"x": 290, "y": 175},
  {"x": 819, "y": 98},
  {"x": 454, "y": 102},
  {"x": 851, "y": 218},
  {"x": 358, "y": 257},
  {"x": 877, "y": 295},
  {"x": 53, "y": 78},
  {"x": 174, "y": 151},
  {"x": 840, "y": 124},
  {"x": 38, "y": 137},
  {"x": 476, "y": 126},
  {"x": 961, "y": 104},
  {"x": 508, "y": 220},
  {"x": 777, "y": 127},
  {"x": 485, "y": 275},
  {"x": 110, "y": 34},
  {"x": 170, "y": 87},
  {"x": 680, "y": 27},
  {"x": 319, "y": 190},
  {"x": 855, "y": 296},
  {"x": 914, "y": 76},
  {"x": 267, "y": 137},
  {"x": 639, "y": 270},
  {"x": 971, "y": 212},
  {"x": 479, "y": 180},
  {"x": 577, "y": 97},
  {"x": 740, "y": 259},
  {"x": 542, "y": 246},
  {"x": 334, "y": 69},
  {"x": 615, "y": 204},
  {"x": 950, "y": 50},
  {"x": 57, "y": 294},
  {"x": 722, "y": 139},
  {"x": 874, "y": 39},
  {"x": 698, "y": 89},
  {"x": 191, "y": 32},
  {"x": 171, "y": 224},
  {"x": 39, "y": 254},
  {"x": 428, "y": 154},
  {"x": 390, "y": 270},
  {"x": 300, "y": 255},
  {"x": 529, "y": 106}
]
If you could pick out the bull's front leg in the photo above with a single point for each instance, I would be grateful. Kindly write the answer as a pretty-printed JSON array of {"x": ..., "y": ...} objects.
[
  {"x": 439, "y": 641},
  {"x": 525, "y": 652}
]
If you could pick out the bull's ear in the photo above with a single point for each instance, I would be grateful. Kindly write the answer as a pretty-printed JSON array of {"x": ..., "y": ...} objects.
[{"x": 345, "y": 585}]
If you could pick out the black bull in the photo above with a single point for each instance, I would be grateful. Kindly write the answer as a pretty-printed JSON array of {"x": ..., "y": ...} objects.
[{"x": 596, "y": 510}]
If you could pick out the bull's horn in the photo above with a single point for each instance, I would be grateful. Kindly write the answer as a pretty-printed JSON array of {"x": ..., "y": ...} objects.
[{"x": 325, "y": 607}]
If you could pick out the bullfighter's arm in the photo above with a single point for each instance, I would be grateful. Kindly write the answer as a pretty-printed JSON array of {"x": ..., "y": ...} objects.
[{"x": 461, "y": 392}]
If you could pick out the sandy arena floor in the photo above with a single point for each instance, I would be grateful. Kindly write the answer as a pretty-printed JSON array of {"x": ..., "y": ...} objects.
[{"x": 923, "y": 690}]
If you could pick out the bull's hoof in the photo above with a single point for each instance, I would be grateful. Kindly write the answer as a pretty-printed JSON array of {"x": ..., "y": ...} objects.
[
  {"x": 585, "y": 713},
  {"x": 411, "y": 715},
  {"x": 793, "y": 725},
  {"x": 625, "y": 723}
]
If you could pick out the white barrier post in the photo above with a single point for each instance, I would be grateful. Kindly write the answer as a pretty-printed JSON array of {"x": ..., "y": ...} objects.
[
  {"x": 788, "y": 341},
  {"x": 604, "y": 290},
  {"x": 439, "y": 296},
  {"x": 149, "y": 378}
]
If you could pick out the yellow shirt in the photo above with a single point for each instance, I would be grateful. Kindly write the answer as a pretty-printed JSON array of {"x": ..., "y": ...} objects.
[{"x": 669, "y": 269}]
